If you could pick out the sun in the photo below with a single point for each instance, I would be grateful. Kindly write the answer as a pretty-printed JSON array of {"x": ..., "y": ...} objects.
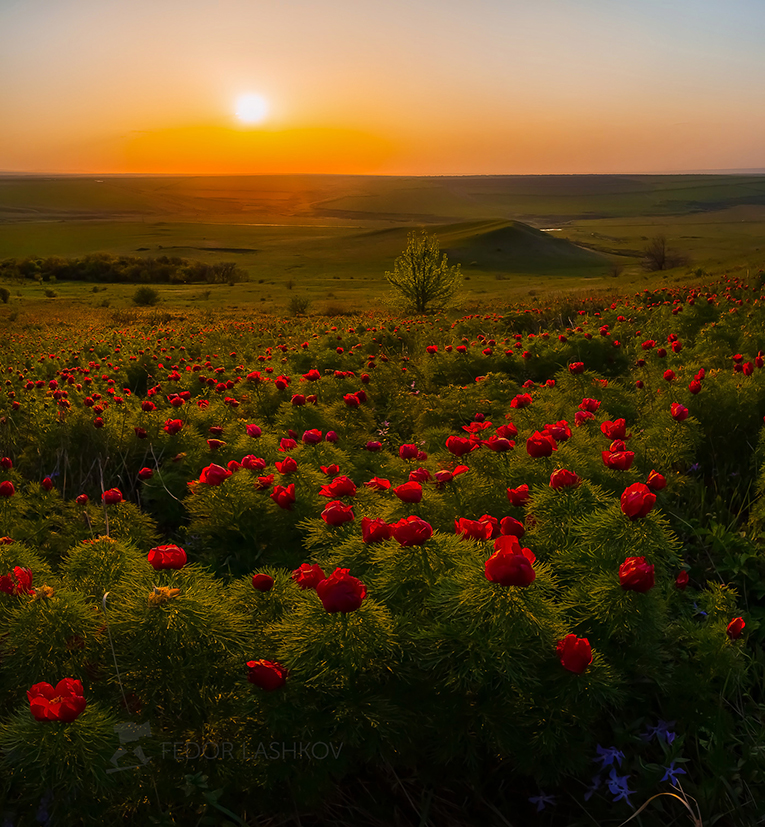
[{"x": 251, "y": 108}]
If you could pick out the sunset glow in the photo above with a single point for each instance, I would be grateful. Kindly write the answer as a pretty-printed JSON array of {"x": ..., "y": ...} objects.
[{"x": 401, "y": 87}]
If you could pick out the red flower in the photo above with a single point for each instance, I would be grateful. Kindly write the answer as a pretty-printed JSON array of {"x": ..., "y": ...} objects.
[
  {"x": 408, "y": 451},
  {"x": 331, "y": 436},
  {"x": 82, "y": 499},
  {"x": 17, "y": 582},
  {"x": 656, "y": 481},
  {"x": 284, "y": 496},
  {"x": 214, "y": 475},
  {"x": 351, "y": 400},
  {"x": 409, "y": 492},
  {"x": 262, "y": 582},
  {"x": 560, "y": 431},
  {"x": 444, "y": 476},
  {"x": 420, "y": 475},
  {"x": 47, "y": 483},
  {"x": 145, "y": 474},
  {"x": 590, "y": 405},
  {"x": 519, "y": 495},
  {"x": 510, "y": 565},
  {"x": 308, "y": 576},
  {"x": 575, "y": 653},
  {"x": 339, "y": 487},
  {"x": 6, "y": 463},
  {"x": 286, "y": 466},
  {"x": 140, "y": 432},
  {"x": 253, "y": 463},
  {"x": 614, "y": 430},
  {"x": 378, "y": 484},
  {"x": 618, "y": 460},
  {"x": 511, "y": 526},
  {"x": 375, "y": 531},
  {"x": 637, "y": 500},
  {"x": 7, "y": 489},
  {"x": 498, "y": 443},
  {"x": 167, "y": 557},
  {"x": 172, "y": 426},
  {"x": 563, "y": 478},
  {"x": 681, "y": 581},
  {"x": 508, "y": 431},
  {"x": 522, "y": 400},
  {"x": 473, "y": 529},
  {"x": 215, "y": 444},
  {"x": 112, "y": 496},
  {"x": 735, "y": 628},
  {"x": 580, "y": 417},
  {"x": 540, "y": 445},
  {"x": 312, "y": 437},
  {"x": 312, "y": 376},
  {"x": 459, "y": 445},
  {"x": 412, "y": 531},
  {"x": 695, "y": 386},
  {"x": 267, "y": 674},
  {"x": 64, "y": 703},
  {"x": 373, "y": 445},
  {"x": 336, "y": 513},
  {"x": 253, "y": 431},
  {"x": 263, "y": 483},
  {"x": 636, "y": 575},
  {"x": 340, "y": 592},
  {"x": 576, "y": 367},
  {"x": 330, "y": 470},
  {"x": 287, "y": 444},
  {"x": 679, "y": 412}
]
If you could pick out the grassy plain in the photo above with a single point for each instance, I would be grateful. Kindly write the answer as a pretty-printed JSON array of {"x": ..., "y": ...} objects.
[{"x": 331, "y": 238}]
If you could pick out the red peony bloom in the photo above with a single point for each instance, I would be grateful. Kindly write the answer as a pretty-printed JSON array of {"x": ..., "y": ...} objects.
[
  {"x": 6, "y": 463},
  {"x": 64, "y": 703},
  {"x": 351, "y": 400},
  {"x": 735, "y": 628},
  {"x": 331, "y": 436},
  {"x": 214, "y": 475},
  {"x": 286, "y": 466},
  {"x": 508, "y": 431},
  {"x": 614, "y": 430},
  {"x": 580, "y": 417},
  {"x": 308, "y": 576},
  {"x": 559, "y": 431},
  {"x": 19, "y": 581},
  {"x": 409, "y": 492},
  {"x": 522, "y": 400},
  {"x": 263, "y": 483},
  {"x": 563, "y": 478},
  {"x": 576, "y": 367},
  {"x": 412, "y": 531},
  {"x": 167, "y": 557},
  {"x": 312, "y": 437},
  {"x": 81, "y": 499},
  {"x": 498, "y": 443},
  {"x": 444, "y": 476},
  {"x": 373, "y": 445},
  {"x": 339, "y": 487},
  {"x": 459, "y": 445},
  {"x": 284, "y": 496},
  {"x": 540, "y": 445},
  {"x": 47, "y": 483},
  {"x": 378, "y": 484},
  {"x": 575, "y": 653},
  {"x": 636, "y": 575},
  {"x": 473, "y": 529},
  {"x": 262, "y": 582},
  {"x": 336, "y": 513},
  {"x": 145, "y": 474},
  {"x": 312, "y": 376},
  {"x": 637, "y": 500},
  {"x": 589, "y": 405},
  {"x": 420, "y": 475},
  {"x": 375, "y": 531},
  {"x": 511, "y": 526},
  {"x": 7, "y": 489},
  {"x": 267, "y": 674},
  {"x": 172, "y": 426},
  {"x": 340, "y": 592},
  {"x": 408, "y": 451},
  {"x": 695, "y": 386},
  {"x": 112, "y": 496},
  {"x": 510, "y": 565},
  {"x": 679, "y": 412},
  {"x": 656, "y": 481},
  {"x": 618, "y": 460},
  {"x": 330, "y": 470},
  {"x": 253, "y": 463},
  {"x": 253, "y": 431},
  {"x": 681, "y": 581},
  {"x": 518, "y": 496}
]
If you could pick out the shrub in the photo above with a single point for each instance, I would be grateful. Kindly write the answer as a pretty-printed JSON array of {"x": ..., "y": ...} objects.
[
  {"x": 5, "y": 295},
  {"x": 145, "y": 297}
]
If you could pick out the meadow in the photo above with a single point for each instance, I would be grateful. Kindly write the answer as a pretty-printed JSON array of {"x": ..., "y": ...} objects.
[{"x": 500, "y": 564}]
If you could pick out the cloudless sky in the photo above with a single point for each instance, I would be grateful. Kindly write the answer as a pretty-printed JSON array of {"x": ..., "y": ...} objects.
[{"x": 382, "y": 86}]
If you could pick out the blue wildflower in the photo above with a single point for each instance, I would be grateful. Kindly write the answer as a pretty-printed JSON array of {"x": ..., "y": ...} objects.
[
  {"x": 607, "y": 756},
  {"x": 672, "y": 772},
  {"x": 661, "y": 731},
  {"x": 542, "y": 800},
  {"x": 596, "y": 782},
  {"x": 617, "y": 786}
]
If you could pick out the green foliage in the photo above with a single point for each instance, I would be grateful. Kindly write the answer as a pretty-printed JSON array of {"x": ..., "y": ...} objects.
[{"x": 145, "y": 297}]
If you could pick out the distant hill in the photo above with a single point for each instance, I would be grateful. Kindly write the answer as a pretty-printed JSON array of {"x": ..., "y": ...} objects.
[{"x": 510, "y": 246}]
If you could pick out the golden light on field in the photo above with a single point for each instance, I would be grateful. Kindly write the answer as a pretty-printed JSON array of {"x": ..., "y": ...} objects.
[{"x": 252, "y": 108}]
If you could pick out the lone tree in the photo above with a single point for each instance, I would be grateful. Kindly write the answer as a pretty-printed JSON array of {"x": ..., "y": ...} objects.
[
  {"x": 424, "y": 279},
  {"x": 657, "y": 256}
]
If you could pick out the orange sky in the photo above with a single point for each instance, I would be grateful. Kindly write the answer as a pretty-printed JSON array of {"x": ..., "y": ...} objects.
[{"x": 395, "y": 87}]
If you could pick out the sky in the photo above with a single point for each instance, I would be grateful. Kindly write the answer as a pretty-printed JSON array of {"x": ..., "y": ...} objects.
[{"x": 384, "y": 87}]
